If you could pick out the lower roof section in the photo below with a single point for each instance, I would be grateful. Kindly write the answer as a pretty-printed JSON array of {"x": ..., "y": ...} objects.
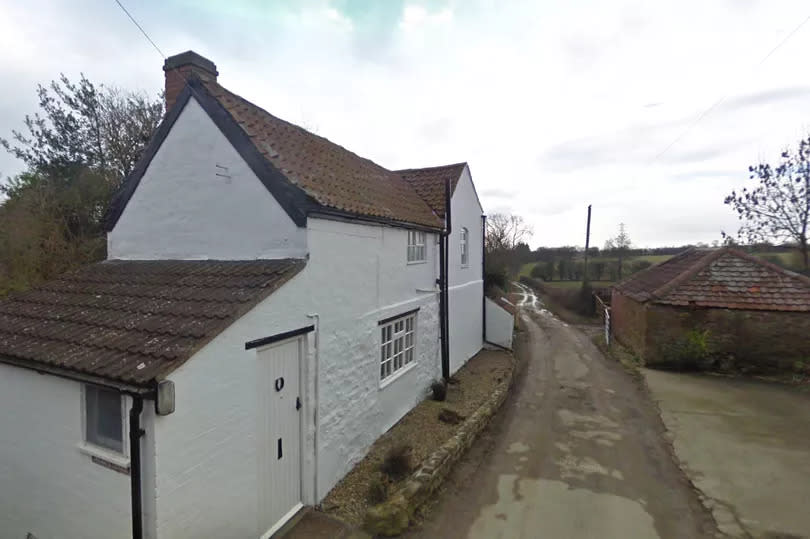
[{"x": 132, "y": 322}]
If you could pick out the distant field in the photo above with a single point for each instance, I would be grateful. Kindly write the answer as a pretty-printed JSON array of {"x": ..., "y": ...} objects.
[
  {"x": 577, "y": 284},
  {"x": 526, "y": 269},
  {"x": 655, "y": 259},
  {"x": 790, "y": 260}
]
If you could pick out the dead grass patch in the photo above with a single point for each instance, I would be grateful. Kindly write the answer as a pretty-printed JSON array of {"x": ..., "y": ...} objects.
[{"x": 420, "y": 429}]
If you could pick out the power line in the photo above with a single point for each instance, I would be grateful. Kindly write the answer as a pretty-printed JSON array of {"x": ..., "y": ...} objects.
[
  {"x": 722, "y": 99},
  {"x": 140, "y": 28}
]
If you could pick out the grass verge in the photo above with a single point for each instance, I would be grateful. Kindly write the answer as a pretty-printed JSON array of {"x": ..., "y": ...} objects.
[{"x": 627, "y": 359}]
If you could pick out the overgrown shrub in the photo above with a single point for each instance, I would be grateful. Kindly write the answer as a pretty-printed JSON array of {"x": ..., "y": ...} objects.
[
  {"x": 378, "y": 489},
  {"x": 585, "y": 302},
  {"x": 398, "y": 462},
  {"x": 439, "y": 390},
  {"x": 496, "y": 278},
  {"x": 692, "y": 351},
  {"x": 450, "y": 417}
]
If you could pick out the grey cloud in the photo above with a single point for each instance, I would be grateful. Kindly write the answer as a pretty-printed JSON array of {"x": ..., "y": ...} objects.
[
  {"x": 767, "y": 97},
  {"x": 708, "y": 174},
  {"x": 707, "y": 153},
  {"x": 497, "y": 193},
  {"x": 626, "y": 145}
]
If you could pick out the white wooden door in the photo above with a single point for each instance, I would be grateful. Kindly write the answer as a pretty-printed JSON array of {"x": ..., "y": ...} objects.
[{"x": 280, "y": 398}]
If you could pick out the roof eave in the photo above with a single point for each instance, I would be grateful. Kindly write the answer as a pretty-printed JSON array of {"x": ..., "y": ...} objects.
[{"x": 145, "y": 389}]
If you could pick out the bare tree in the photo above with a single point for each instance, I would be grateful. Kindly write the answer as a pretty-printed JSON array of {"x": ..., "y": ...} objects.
[
  {"x": 779, "y": 207},
  {"x": 506, "y": 231},
  {"x": 619, "y": 244}
]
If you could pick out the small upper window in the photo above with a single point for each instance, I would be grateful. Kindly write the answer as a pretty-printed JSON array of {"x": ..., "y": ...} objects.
[
  {"x": 465, "y": 247},
  {"x": 103, "y": 414},
  {"x": 416, "y": 246}
]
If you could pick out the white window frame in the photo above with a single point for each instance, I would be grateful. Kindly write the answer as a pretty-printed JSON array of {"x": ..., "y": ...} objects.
[
  {"x": 397, "y": 346},
  {"x": 115, "y": 455},
  {"x": 465, "y": 248},
  {"x": 417, "y": 247}
]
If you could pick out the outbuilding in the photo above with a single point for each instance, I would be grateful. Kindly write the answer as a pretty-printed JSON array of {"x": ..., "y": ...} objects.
[{"x": 714, "y": 305}]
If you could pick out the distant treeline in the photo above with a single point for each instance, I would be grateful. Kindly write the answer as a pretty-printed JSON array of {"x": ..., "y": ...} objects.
[{"x": 568, "y": 263}]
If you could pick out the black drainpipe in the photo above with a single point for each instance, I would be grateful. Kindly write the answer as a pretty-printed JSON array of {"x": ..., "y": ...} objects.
[
  {"x": 484, "y": 277},
  {"x": 442, "y": 328},
  {"x": 135, "y": 433},
  {"x": 445, "y": 282}
]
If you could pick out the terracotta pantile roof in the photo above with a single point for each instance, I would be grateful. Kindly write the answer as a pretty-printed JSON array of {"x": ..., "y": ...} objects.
[
  {"x": 133, "y": 321},
  {"x": 329, "y": 173},
  {"x": 643, "y": 284},
  {"x": 722, "y": 278},
  {"x": 430, "y": 183}
]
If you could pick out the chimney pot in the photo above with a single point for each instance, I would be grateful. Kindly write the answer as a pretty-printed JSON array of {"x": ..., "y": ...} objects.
[{"x": 180, "y": 67}]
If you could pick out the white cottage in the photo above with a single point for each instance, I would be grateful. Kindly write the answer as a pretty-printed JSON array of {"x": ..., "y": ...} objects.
[{"x": 272, "y": 303}]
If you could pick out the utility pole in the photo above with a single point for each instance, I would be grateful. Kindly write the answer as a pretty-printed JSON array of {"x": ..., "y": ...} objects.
[{"x": 587, "y": 245}]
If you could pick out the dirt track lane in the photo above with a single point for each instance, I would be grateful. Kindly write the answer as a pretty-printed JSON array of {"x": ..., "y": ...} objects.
[{"x": 577, "y": 452}]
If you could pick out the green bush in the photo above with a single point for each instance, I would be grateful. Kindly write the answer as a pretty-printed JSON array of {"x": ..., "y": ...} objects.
[
  {"x": 692, "y": 351},
  {"x": 496, "y": 278}
]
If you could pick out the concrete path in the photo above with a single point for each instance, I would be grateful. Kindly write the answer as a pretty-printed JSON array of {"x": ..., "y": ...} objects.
[
  {"x": 746, "y": 444},
  {"x": 576, "y": 453}
]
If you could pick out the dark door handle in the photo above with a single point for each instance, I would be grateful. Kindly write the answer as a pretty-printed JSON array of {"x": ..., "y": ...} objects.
[{"x": 297, "y": 403}]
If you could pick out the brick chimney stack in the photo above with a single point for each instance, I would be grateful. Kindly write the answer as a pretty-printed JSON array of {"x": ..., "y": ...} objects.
[{"x": 182, "y": 66}]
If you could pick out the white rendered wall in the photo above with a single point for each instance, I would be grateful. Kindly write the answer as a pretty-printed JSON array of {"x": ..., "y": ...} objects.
[
  {"x": 48, "y": 487},
  {"x": 466, "y": 282},
  {"x": 500, "y": 324},
  {"x": 207, "y": 464},
  {"x": 183, "y": 210}
]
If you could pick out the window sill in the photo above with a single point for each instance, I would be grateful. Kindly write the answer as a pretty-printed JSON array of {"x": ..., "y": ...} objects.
[
  {"x": 104, "y": 454},
  {"x": 464, "y": 266},
  {"x": 397, "y": 375},
  {"x": 414, "y": 262}
]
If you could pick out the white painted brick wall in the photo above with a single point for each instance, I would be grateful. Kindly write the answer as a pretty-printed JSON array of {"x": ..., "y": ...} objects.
[
  {"x": 47, "y": 486},
  {"x": 183, "y": 210},
  {"x": 466, "y": 282},
  {"x": 207, "y": 460}
]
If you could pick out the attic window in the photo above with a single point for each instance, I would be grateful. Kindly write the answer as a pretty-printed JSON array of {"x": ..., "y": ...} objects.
[{"x": 417, "y": 252}]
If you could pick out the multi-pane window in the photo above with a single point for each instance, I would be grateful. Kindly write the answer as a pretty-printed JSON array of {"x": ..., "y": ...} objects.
[
  {"x": 465, "y": 247},
  {"x": 104, "y": 423},
  {"x": 416, "y": 246},
  {"x": 397, "y": 344}
]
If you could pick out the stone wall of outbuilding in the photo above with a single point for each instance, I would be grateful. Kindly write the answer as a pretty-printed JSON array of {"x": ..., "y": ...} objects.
[
  {"x": 729, "y": 338},
  {"x": 628, "y": 322}
]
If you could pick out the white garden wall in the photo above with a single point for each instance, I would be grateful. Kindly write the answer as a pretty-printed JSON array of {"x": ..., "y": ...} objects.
[
  {"x": 198, "y": 199},
  {"x": 466, "y": 281},
  {"x": 356, "y": 275},
  {"x": 48, "y": 487},
  {"x": 500, "y": 324}
]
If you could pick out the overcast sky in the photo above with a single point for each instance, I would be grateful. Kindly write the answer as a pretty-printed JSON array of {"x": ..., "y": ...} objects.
[{"x": 555, "y": 105}]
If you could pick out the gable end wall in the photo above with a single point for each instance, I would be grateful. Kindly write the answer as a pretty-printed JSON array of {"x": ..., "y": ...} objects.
[
  {"x": 466, "y": 283},
  {"x": 199, "y": 199}
]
